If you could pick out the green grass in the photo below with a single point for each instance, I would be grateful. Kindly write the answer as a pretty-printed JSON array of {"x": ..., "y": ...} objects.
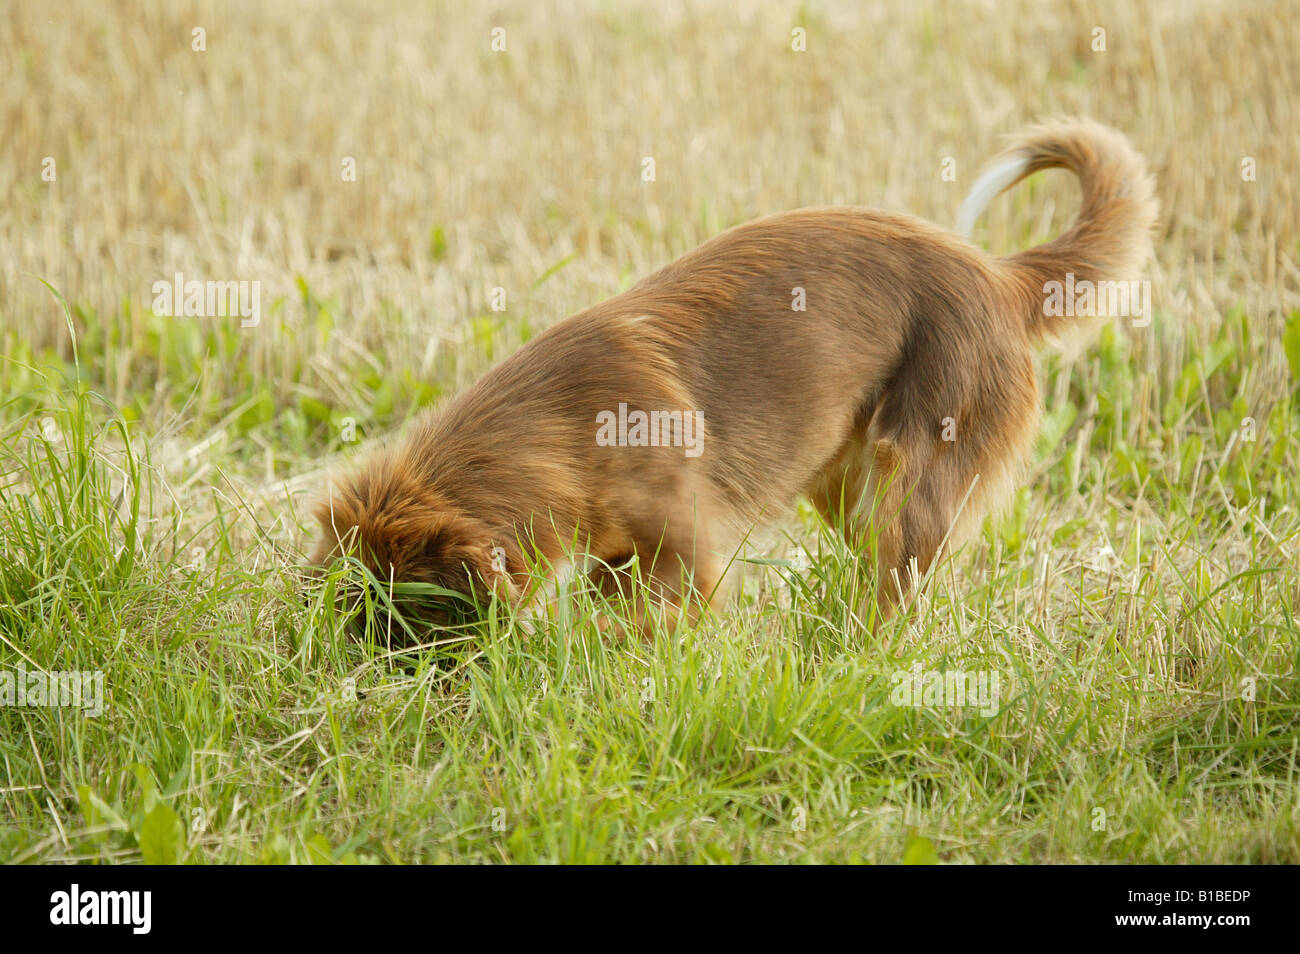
[{"x": 1137, "y": 602}]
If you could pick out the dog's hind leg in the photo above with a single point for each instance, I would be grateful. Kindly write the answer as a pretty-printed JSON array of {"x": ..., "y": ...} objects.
[
  {"x": 887, "y": 496},
  {"x": 916, "y": 473},
  {"x": 907, "y": 514},
  {"x": 932, "y": 478}
]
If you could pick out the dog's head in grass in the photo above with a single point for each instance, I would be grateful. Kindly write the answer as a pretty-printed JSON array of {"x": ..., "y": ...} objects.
[{"x": 430, "y": 562}]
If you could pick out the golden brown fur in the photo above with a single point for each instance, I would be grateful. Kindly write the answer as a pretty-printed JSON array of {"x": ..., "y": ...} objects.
[{"x": 908, "y": 330}]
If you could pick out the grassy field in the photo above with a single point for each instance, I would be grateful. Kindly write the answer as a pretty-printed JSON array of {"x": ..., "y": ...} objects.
[{"x": 1136, "y": 604}]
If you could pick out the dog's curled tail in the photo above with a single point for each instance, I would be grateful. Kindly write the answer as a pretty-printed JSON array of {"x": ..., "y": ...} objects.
[{"x": 1110, "y": 241}]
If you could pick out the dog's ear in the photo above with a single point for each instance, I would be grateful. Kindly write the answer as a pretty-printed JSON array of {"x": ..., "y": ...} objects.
[
  {"x": 457, "y": 545},
  {"x": 405, "y": 532},
  {"x": 338, "y": 515},
  {"x": 497, "y": 568}
]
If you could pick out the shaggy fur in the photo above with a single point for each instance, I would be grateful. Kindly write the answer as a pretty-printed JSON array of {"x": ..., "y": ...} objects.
[{"x": 908, "y": 331}]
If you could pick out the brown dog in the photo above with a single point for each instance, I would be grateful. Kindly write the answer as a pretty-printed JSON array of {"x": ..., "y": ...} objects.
[{"x": 874, "y": 362}]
